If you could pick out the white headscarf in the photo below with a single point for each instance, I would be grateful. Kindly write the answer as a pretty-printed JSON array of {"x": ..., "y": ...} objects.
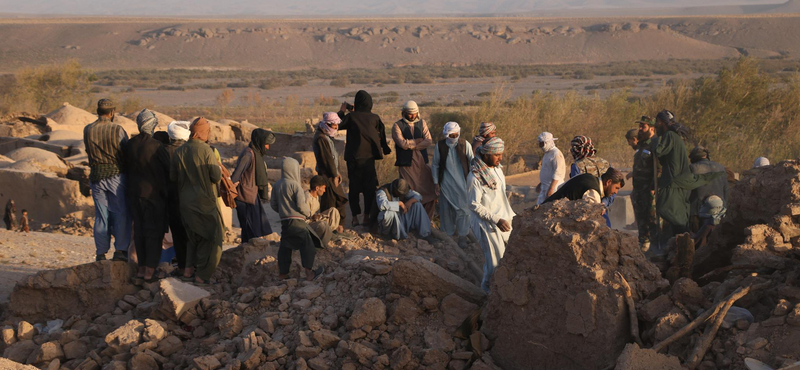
[
  {"x": 761, "y": 162},
  {"x": 179, "y": 130},
  {"x": 548, "y": 140},
  {"x": 451, "y": 128}
]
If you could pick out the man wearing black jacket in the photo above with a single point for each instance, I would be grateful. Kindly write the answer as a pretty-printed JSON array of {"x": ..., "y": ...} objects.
[
  {"x": 366, "y": 142},
  {"x": 590, "y": 188}
]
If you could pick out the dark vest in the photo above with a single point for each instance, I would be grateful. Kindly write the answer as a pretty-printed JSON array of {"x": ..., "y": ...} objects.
[
  {"x": 444, "y": 151},
  {"x": 405, "y": 156},
  {"x": 576, "y": 187}
]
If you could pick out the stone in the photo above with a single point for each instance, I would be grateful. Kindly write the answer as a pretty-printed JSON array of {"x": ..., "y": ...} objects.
[
  {"x": 125, "y": 336},
  {"x": 251, "y": 358},
  {"x": 9, "y": 337},
  {"x": 169, "y": 346},
  {"x": 757, "y": 343},
  {"x": 456, "y": 309},
  {"x": 434, "y": 357},
  {"x": 309, "y": 292},
  {"x": 116, "y": 365},
  {"x": 417, "y": 274},
  {"x": 326, "y": 338},
  {"x": 439, "y": 339},
  {"x": 656, "y": 308},
  {"x": 782, "y": 308},
  {"x": 774, "y": 321},
  {"x": 142, "y": 361},
  {"x": 230, "y": 325},
  {"x": 318, "y": 363},
  {"x": 177, "y": 297},
  {"x": 46, "y": 352},
  {"x": 88, "y": 289},
  {"x": 430, "y": 303},
  {"x": 7, "y": 364},
  {"x": 360, "y": 352},
  {"x": 206, "y": 363},
  {"x": 372, "y": 312},
  {"x": 25, "y": 331},
  {"x": 307, "y": 352},
  {"x": 75, "y": 350},
  {"x": 401, "y": 358},
  {"x": 273, "y": 292},
  {"x": 154, "y": 331},
  {"x": 20, "y": 351},
  {"x": 404, "y": 311},
  {"x": 794, "y": 317},
  {"x": 635, "y": 358}
]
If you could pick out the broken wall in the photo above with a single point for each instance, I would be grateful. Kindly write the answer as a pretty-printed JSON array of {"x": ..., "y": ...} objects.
[{"x": 46, "y": 196}]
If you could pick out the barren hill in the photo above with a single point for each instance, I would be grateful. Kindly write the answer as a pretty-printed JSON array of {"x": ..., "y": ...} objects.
[{"x": 109, "y": 43}]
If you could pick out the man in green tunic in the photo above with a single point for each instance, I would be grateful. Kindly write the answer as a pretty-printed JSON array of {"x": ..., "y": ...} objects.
[
  {"x": 676, "y": 181},
  {"x": 196, "y": 171}
]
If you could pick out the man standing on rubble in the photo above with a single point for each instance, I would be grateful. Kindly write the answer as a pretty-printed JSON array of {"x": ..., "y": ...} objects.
[
  {"x": 643, "y": 182},
  {"x": 104, "y": 141},
  {"x": 676, "y": 181},
  {"x": 553, "y": 169},
  {"x": 491, "y": 211},
  {"x": 366, "y": 142},
  {"x": 702, "y": 163}
]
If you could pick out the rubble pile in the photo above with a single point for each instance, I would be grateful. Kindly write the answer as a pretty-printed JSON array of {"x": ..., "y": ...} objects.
[
  {"x": 72, "y": 224},
  {"x": 557, "y": 288}
]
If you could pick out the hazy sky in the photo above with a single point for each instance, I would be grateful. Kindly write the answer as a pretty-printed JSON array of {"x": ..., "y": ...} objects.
[{"x": 329, "y": 7}]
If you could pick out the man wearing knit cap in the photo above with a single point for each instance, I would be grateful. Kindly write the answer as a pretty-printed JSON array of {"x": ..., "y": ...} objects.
[
  {"x": 197, "y": 172},
  {"x": 491, "y": 211},
  {"x": 178, "y": 135},
  {"x": 553, "y": 169},
  {"x": 104, "y": 141},
  {"x": 147, "y": 162},
  {"x": 486, "y": 131},
  {"x": 450, "y": 168},
  {"x": 411, "y": 142}
]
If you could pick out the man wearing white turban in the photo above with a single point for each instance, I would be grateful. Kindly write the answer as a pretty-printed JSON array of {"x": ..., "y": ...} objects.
[
  {"x": 553, "y": 169},
  {"x": 178, "y": 135},
  {"x": 450, "y": 168},
  {"x": 761, "y": 162},
  {"x": 411, "y": 141},
  {"x": 491, "y": 211}
]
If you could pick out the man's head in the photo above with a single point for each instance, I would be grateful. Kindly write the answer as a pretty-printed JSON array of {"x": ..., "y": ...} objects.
[
  {"x": 612, "y": 181},
  {"x": 400, "y": 188},
  {"x": 147, "y": 121},
  {"x": 663, "y": 120},
  {"x": 488, "y": 130},
  {"x": 632, "y": 137},
  {"x": 698, "y": 154},
  {"x": 546, "y": 141},
  {"x": 647, "y": 128},
  {"x": 179, "y": 130},
  {"x": 451, "y": 131},
  {"x": 105, "y": 108},
  {"x": 200, "y": 129},
  {"x": 492, "y": 151},
  {"x": 411, "y": 110},
  {"x": 332, "y": 120},
  {"x": 317, "y": 186},
  {"x": 24, "y": 212}
]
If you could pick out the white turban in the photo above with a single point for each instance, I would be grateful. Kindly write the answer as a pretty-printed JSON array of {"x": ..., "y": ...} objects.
[
  {"x": 761, "y": 162},
  {"x": 548, "y": 140},
  {"x": 411, "y": 107},
  {"x": 179, "y": 130},
  {"x": 451, "y": 128}
]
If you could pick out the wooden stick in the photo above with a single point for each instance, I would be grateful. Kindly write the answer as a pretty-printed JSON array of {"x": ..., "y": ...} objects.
[
  {"x": 699, "y": 320},
  {"x": 721, "y": 270},
  {"x": 631, "y": 310},
  {"x": 711, "y": 332}
]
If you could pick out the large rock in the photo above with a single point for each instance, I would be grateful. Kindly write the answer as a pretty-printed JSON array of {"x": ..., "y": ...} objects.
[
  {"x": 556, "y": 287},
  {"x": 7, "y": 364},
  {"x": 177, "y": 297},
  {"x": 46, "y": 196},
  {"x": 417, "y": 274},
  {"x": 89, "y": 289},
  {"x": 635, "y": 358},
  {"x": 125, "y": 336},
  {"x": 371, "y": 312},
  {"x": 242, "y": 130}
]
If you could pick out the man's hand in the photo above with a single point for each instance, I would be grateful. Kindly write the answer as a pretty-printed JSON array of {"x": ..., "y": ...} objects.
[
  {"x": 315, "y": 217},
  {"x": 539, "y": 188},
  {"x": 504, "y": 225},
  {"x": 437, "y": 189},
  {"x": 629, "y": 176},
  {"x": 403, "y": 208},
  {"x": 343, "y": 108},
  {"x": 337, "y": 180}
]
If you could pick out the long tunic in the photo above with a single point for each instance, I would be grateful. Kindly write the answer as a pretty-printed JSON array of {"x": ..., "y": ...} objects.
[
  {"x": 454, "y": 211},
  {"x": 418, "y": 174},
  {"x": 395, "y": 224},
  {"x": 488, "y": 207},
  {"x": 195, "y": 169},
  {"x": 552, "y": 171},
  {"x": 677, "y": 180}
]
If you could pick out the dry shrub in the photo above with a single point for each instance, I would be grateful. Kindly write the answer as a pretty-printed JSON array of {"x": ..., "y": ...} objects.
[{"x": 44, "y": 88}]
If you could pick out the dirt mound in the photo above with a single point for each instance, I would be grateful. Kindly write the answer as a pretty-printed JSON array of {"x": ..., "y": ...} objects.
[
  {"x": 556, "y": 287},
  {"x": 69, "y": 115},
  {"x": 39, "y": 158},
  {"x": 762, "y": 224},
  {"x": 93, "y": 288}
]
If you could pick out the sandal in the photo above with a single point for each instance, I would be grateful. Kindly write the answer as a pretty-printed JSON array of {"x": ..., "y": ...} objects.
[
  {"x": 187, "y": 279},
  {"x": 201, "y": 283},
  {"x": 318, "y": 272}
]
